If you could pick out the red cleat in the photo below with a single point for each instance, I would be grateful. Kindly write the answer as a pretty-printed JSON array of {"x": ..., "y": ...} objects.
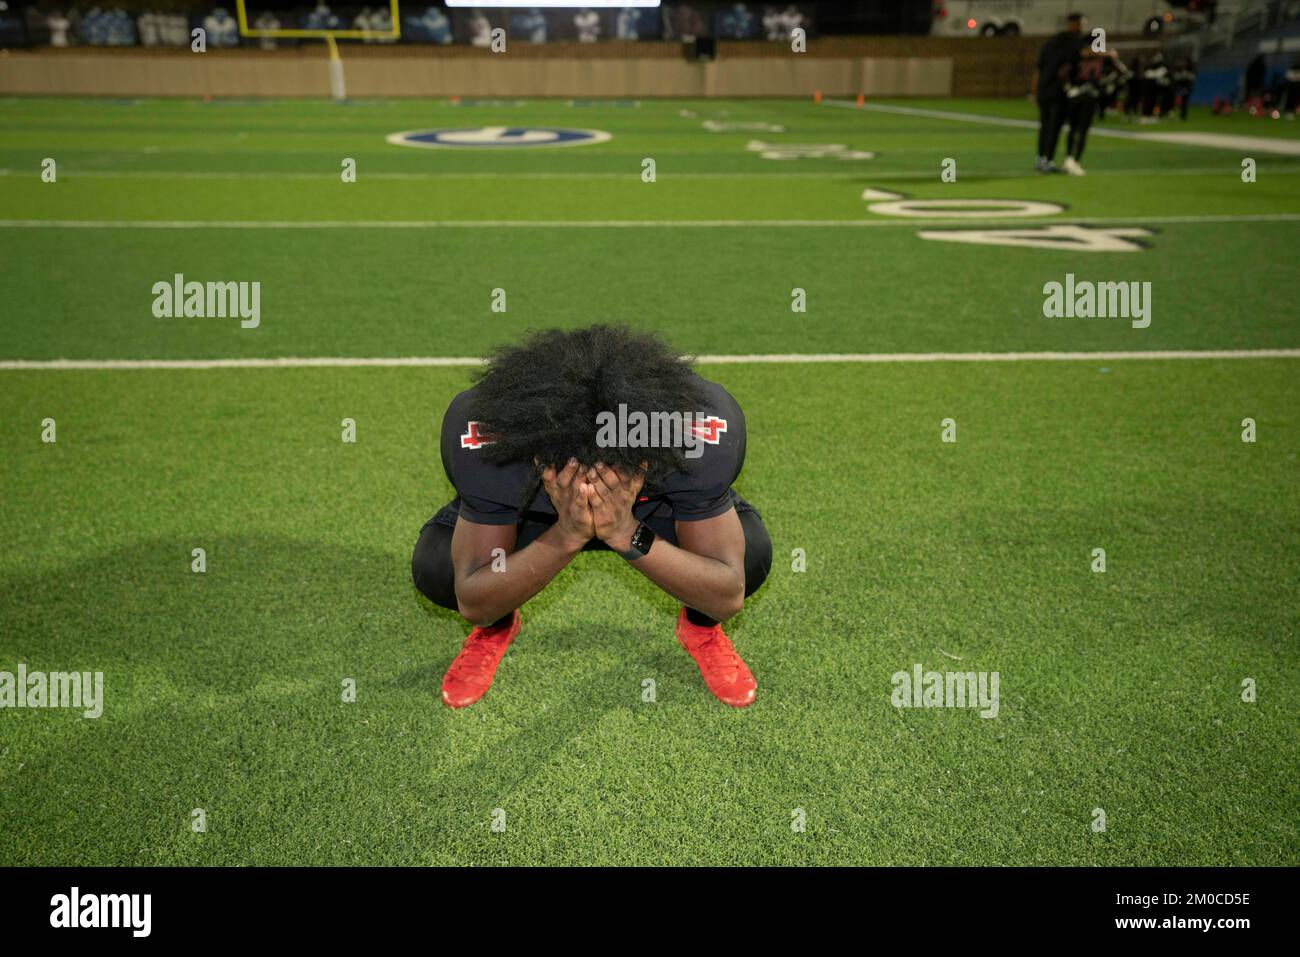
[
  {"x": 471, "y": 674},
  {"x": 724, "y": 673}
]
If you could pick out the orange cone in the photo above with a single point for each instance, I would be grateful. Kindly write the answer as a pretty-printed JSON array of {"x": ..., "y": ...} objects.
[
  {"x": 817, "y": 96},
  {"x": 862, "y": 100}
]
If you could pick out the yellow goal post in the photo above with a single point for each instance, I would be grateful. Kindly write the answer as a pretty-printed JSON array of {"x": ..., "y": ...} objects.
[{"x": 338, "y": 87}]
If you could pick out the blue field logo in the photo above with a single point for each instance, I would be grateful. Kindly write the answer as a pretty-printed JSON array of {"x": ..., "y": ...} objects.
[{"x": 497, "y": 137}]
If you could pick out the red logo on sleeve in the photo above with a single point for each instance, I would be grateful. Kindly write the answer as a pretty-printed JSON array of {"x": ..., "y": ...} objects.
[
  {"x": 710, "y": 429},
  {"x": 474, "y": 439}
]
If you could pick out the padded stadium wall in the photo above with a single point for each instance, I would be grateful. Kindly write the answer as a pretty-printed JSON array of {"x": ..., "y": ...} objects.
[{"x": 842, "y": 66}]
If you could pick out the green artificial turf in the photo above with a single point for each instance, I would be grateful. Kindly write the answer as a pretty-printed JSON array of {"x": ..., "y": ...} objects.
[
  {"x": 1119, "y": 690},
  {"x": 715, "y": 290}
]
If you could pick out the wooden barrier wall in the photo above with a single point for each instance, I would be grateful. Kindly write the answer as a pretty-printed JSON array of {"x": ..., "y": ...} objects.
[{"x": 840, "y": 66}]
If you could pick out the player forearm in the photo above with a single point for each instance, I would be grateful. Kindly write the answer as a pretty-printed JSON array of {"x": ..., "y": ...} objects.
[
  {"x": 485, "y": 595},
  {"x": 706, "y": 572},
  {"x": 699, "y": 582}
]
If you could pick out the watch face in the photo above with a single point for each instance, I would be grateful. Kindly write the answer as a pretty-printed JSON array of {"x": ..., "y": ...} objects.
[{"x": 642, "y": 539}]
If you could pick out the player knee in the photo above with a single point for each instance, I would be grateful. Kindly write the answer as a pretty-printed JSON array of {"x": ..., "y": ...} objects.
[
  {"x": 758, "y": 551},
  {"x": 431, "y": 567}
]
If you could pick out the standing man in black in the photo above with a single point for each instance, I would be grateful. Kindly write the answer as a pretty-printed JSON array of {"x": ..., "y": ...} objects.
[
  {"x": 1082, "y": 93},
  {"x": 1184, "y": 79},
  {"x": 1057, "y": 60},
  {"x": 1255, "y": 72},
  {"x": 1293, "y": 86},
  {"x": 1114, "y": 74}
]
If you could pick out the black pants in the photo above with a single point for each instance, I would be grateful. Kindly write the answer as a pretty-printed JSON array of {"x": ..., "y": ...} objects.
[
  {"x": 434, "y": 576},
  {"x": 1082, "y": 110},
  {"x": 1133, "y": 99},
  {"x": 1153, "y": 95},
  {"x": 1166, "y": 100},
  {"x": 1051, "y": 117}
]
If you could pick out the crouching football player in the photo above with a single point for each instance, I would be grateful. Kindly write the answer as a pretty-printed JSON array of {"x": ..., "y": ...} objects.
[{"x": 528, "y": 449}]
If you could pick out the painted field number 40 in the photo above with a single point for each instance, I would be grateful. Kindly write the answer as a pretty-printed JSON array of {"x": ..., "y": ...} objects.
[{"x": 1065, "y": 236}]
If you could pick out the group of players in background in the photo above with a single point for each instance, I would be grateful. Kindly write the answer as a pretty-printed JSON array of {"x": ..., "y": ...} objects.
[{"x": 1076, "y": 84}]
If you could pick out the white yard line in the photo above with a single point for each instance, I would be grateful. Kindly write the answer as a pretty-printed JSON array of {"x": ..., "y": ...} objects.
[
  {"x": 333, "y": 176},
  {"x": 1006, "y": 356},
  {"x": 825, "y": 175},
  {"x": 20, "y": 365},
  {"x": 914, "y": 222}
]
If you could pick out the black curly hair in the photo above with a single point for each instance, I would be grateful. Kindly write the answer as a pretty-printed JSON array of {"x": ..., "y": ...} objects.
[{"x": 539, "y": 400}]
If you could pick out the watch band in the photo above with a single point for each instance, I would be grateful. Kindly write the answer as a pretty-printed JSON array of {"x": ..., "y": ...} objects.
[{"x": 642, "y": 539}]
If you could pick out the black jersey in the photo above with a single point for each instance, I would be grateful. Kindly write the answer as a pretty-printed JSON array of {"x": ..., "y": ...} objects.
[
  {"x": 1057, "y": 60},
  {"x": 1113, "y": 73},
  {"x": 1158, "y": 72},
  {"x": 1087, "y": 80},
  {"x": 491, "y": 494}
]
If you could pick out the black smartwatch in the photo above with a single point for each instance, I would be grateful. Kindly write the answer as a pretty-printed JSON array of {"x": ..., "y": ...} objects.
[{"x": 642, "y": 539}]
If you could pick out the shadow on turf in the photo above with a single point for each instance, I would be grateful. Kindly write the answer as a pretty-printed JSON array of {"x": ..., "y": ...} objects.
[
  {"x": 223, "y": 677},
  {"x": 143, "y": 606}
]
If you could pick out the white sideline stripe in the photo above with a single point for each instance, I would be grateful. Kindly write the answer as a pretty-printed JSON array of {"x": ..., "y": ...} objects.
[
  {"x": 914, "y": 221},
  {"x": 940, "y": 114},
  {"x": 1258, "y": 144},
  {"x": 1222, "y": 141},
  {"x": 19, "y": 365}
]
